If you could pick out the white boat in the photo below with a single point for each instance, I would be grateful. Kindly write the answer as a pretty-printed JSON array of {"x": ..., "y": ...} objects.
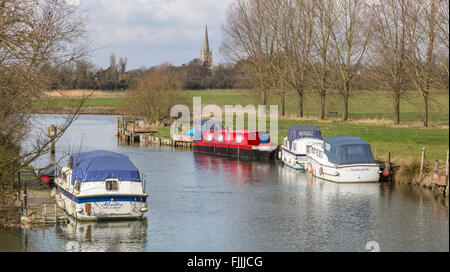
[
  {"x": 101, "y": 185},
  {"x": 293, "y": 150},
  {"x": 343, "y": 159}
]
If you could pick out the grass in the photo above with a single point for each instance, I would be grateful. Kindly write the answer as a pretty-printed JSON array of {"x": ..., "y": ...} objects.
[
  {"x": 363, "y": 104},
  {"x": 371, "y": 114}
]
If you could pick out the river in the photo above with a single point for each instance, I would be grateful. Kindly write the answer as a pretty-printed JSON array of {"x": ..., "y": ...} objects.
[{"x": 207, "y": 203}]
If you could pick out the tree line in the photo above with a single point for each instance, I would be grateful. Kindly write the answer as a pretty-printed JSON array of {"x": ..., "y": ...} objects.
[
  {"x": 333, "y": 45},
  {"x": 82, "y": 74}
]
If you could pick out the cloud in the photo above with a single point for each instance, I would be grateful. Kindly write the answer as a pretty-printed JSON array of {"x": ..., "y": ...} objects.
[
  {"x": 149, "y": 32},
  {"x": 156, "y": 22}
]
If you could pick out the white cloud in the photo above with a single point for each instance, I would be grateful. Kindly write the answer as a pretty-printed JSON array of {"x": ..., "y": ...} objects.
[
  {"x": 154, "y": 21},
  {"x": 153, "y": 31}
]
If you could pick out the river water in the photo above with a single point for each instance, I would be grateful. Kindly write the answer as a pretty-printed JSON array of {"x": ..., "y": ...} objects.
[{"x": 207, "y": 203}]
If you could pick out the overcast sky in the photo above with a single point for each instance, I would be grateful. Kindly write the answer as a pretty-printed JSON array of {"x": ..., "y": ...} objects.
[{"x": 150, "y": 32}]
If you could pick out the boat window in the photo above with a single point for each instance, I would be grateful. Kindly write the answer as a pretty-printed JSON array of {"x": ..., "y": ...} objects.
[
  {"x": 209, "y": 137},
  {"x": 306, "y": 134},
  {"x": 77, "y": 186},
  {"x": 238, "y": 138},
  {"x": 220, "y": 138},
  {"x": 111, "y": 185},
  {"x": 229, "y": 138}
]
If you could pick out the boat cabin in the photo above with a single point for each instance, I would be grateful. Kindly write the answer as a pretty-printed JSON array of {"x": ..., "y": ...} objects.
[
  {"x": 236, "y": 138},
  {"x": 302, "y": 132},
  {"x": 345, "y": 150}
]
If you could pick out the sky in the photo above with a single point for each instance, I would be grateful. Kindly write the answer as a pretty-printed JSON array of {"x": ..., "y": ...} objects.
[{"x": 151, "y": 32}]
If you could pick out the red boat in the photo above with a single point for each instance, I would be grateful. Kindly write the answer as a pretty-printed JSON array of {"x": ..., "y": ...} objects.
[{"x": 240, "y": 144}]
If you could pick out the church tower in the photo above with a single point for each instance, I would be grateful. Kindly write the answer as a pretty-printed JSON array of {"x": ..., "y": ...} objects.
[{"x": 206, "y": 57}]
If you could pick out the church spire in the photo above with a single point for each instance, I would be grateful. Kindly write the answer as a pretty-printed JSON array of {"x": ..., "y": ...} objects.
[{"x": 206, "y": 45}]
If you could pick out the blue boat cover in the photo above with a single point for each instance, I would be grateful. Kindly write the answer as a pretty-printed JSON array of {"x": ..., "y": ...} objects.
[
  {"x": 100, "y": 165},
  {"x": 342, "y": 150},
  {"x": 203, "y": 125},
  {"x": 298, "y": 132}
]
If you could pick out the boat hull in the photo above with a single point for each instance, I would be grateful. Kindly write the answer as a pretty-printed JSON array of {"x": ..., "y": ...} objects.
[
  {"x": 364, "y": 173},
  {"x": 240, "y": 153},
  {"x": 102, "y": 207},
  {"x": 295, "y": 161}
]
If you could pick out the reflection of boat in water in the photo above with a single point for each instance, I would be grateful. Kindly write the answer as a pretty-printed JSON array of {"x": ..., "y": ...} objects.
[
  {"x": 117, "y": 236},
  {"x": 101, "y": 185},
  {"x": 343, "y": 159},
  {"x": 293, "y": 150}
]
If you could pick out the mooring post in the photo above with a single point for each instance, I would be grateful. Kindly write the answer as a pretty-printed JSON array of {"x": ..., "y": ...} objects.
[
  {"x": 25, "y": 198},
  {"x": 45, "y": 212},
  {"x": 421, "y": 163},
  {"x": 52, "y": 134},
  {"x": 18, "y": 181},
  {"x": 446, "y": 173},
  {"x": 436, "y": 166},
  {"x": 388, "y": 165},
  {"x": 56, "y": 218}
]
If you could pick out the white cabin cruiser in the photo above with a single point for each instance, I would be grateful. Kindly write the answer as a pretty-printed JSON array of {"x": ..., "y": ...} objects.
[
  {"x": 343, "y": 159},
  {"x": 101, "y": 185},
  {"x": 293, "y": 150}
]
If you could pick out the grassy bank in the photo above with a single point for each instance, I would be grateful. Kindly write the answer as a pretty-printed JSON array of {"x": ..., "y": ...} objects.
[
  {"x": 363, "y": 104},
  {"x": 402, "y": 142},
  {"x": 370, "y": 113}
]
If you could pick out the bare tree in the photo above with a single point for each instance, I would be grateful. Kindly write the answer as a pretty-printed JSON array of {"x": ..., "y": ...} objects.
[
  {"x": 325, "y": 20},
  {"x": 155, "y": 94},
  {"x": 351, "y": 38},
  {"x": 294, "y": 46},
  {"x": 36, "y": 36},
  {"x": 390, "y": 47},
  {"x": 424, "y": 25},
  {"x": 248, "y": 36}
]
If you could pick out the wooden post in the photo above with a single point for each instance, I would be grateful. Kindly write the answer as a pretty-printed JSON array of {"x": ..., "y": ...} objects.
[
  {"x": 388, "y": 165},
  {"x": 18, "y": 181},
  {"x": 45, "y": 212},
  {"x": 436, "y": 166},
  {"x": 421, "y": 163},
  {"x": 25, "y": 199},
  {"x": 447, "y": 173},
  {"x": 56, "y": 217},
  {"x": 52, "y": 134}
]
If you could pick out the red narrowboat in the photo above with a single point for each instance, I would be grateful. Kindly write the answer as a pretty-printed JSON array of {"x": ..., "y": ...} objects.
[{"x": 240, "y": 144}]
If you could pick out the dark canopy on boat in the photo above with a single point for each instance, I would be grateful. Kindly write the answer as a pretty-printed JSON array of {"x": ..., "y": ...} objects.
[
  {"x": 203, "y": 125},
  {"x": 343, "y": 150},
  {"x": 298, "y": 132},
  {"x": 100, "y": 165}
]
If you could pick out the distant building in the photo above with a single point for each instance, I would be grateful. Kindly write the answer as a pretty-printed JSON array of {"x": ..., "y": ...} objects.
[{"x": 206, "y": 56}]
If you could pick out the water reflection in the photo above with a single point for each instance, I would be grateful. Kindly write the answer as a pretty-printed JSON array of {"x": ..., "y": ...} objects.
[
  {"x": 207, "y": 203},
  {"x": 121, "y": 236}
]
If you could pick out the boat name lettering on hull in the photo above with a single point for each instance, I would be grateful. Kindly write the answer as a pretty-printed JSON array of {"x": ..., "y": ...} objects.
[{"x": 111, "y": 205}]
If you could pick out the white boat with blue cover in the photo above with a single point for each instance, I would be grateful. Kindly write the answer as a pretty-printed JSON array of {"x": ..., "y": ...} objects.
[
  {"x": 101, "y": 185},
  {"x": 293, "y": 150},
  {"x": 343, "y": 159}
]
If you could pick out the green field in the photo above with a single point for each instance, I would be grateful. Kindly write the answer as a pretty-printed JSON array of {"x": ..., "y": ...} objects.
[
  {"x": 363, "y": 105},
  {"x": 405, "y": 141}
]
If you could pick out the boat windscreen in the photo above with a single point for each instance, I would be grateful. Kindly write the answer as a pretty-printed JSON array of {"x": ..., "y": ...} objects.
[{"x": 354, "y": 154}]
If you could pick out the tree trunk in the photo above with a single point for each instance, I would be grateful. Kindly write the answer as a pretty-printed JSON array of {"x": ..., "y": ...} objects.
[
  {"x": 397, "y": 108},
  {"x": 283, "y": 104},
  {"x": 300, "y": 102},
  {"x": 322, "y": 106},
  {"x": 346, "y": 98},
  {"x": 425, "y": 109}
]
